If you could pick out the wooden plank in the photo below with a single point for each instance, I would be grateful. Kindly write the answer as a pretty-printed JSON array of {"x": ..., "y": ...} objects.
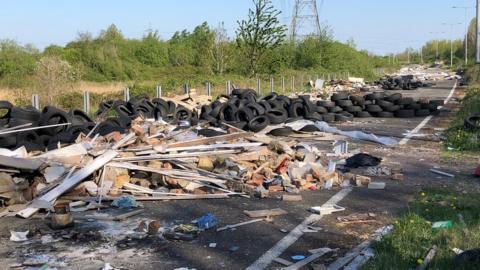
[
  {"x": 176, "y": 156},
  {"x": 307, "y": 260},
  {"x": 71, "y": 182},
  {"x": 207, "y": 147},
  {"x": 265, "y": 213},
  {"x": 21, "y": 163},
  {"x": 282, "y": 261},
  {"x": 196, "y": 142}
]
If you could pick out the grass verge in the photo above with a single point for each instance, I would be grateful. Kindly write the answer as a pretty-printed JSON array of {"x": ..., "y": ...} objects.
[
  {"x": 413, "y": 234},
  {"x": 457, "y": 137}
]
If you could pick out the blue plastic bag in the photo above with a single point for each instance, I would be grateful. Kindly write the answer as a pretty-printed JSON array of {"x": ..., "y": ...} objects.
[{"x": 207, "y": 221}]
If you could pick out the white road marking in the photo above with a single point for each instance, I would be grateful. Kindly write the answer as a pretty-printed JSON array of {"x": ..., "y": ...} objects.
[
  {"x": 427, "y": 119},
  {"x": 266, "y": 259}
]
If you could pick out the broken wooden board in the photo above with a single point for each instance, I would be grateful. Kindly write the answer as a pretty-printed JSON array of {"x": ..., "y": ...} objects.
[
  {"x": 21, "y": 163},
  {"x": 307, "y": 260},
  {"x": 265, "y": 213},
  {"x": 72, "y": 181},
  {"x": 196, "y": 142}
]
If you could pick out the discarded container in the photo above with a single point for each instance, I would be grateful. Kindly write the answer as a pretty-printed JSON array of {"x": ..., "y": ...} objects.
[
  {"x": 62, "y": 218},
  {"x": 442, "y": 224}
]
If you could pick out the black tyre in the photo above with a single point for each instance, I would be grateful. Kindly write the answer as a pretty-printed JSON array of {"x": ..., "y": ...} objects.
[
  {"x": 258, "y": 123},
  {"x": 283, "y": 131},
  {"x": 335, "y": 109},
  {"x": 422, "y": 112},
  {"x": 339, "y": 96},
  {"x": 353, "y": 109},
  {"x": 245, "y": 114},
  {"x": 384, "y": 114},
  {"x": 325, "y": 103},
  {"x": 362, "y": 114},
  {"x": 405, "y": 101},
  {"x": 343, "y": 117},
  {"x": 329, "y": 117},
  {"x": 373, "y": 108},
  {"x": 297, "y": 109},
  {"x": 472, "y": 122},
  {"x": 277, "y": 116},
  {"x": 405, "y": 113},
  {"x": 393, "y": 108},
  {"x": 344, "y": 103}
]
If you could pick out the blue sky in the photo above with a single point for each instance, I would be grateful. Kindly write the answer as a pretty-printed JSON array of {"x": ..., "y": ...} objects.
[{"x": 380, "y": 26}]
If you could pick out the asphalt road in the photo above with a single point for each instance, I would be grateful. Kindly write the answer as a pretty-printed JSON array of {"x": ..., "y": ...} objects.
[{"x": 237, "y": 249}]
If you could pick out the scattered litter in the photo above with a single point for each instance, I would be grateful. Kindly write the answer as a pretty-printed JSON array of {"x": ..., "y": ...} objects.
[
  {"x": 442, "y": 173},
  {"x": 298, "y": 257},
  {"x": 18, "y": 236},
  {"x": 362, "y": 160},
  {"x": 376, "y": 185},
  {"x": 431, "y": 253},
  {"x": 212, "y": 245},
  {"x": 207, "y": 221},
  {"x": 125, "y": 202},
  {"x": 442, "y": 224}
]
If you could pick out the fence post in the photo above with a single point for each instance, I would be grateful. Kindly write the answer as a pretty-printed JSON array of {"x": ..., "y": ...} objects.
[
  {"x": 209, "y": 89},
  {"x": 159, "y": 91},
  {"x": 126, "y": 94},
  {"x": 293, "y": 83},
  {"x": 186, "y": 90},
  {"x": 228, "y": 87},
  {"x": 35, "y": 101},
  {"x": 283, "y": 84},
  {"x": 86, "y": 102},
  {"x": 301, "y": 83},
  {"x": 271, "y": 84},
  {"x": 259, "y": 85}
]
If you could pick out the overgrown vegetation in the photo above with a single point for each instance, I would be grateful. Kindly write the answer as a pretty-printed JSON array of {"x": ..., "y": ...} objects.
[
  {"x": 413, "y": 234},
  {"x": 458, "y": 137},
  {"x": 192, "y": 56}
]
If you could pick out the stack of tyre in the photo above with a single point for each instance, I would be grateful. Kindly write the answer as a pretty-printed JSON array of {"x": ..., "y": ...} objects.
[
  {"x": 405, "y": 82},
  {"x": 379, "y": 104},
  {"x": 244, "y": 110},
  {"x": 40, "y": 139},
  {"x": 122, "y": 113},
  {"x": 117, "y": 115}
]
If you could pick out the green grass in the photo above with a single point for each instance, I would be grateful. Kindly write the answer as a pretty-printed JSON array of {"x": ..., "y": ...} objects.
[
  {"x": 457, "y": 137},
  {"x": 413, "y": 236}
]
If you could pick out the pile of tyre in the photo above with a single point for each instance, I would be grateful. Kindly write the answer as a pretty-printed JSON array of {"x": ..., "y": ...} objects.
[
  {"x": 40, "y": 139},
  {"x": 117, "y": 115},
  {"x": 379, "y": 104},
  {"x": 405, "y": 82},
  {"x": 244, "y": 110}
]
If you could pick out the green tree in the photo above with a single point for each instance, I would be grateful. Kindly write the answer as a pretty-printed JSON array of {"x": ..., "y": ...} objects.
[{"x": 260, "y": 33}]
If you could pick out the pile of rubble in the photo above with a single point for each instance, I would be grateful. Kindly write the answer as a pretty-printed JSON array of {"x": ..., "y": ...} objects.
[{"x": 156, "y": 160}]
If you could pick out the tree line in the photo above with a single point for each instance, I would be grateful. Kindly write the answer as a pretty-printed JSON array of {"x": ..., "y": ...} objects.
[{"x": 260, "y": 47}]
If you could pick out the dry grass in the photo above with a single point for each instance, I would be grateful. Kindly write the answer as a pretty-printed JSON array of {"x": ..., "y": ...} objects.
[{"x": 100, "y": 88}]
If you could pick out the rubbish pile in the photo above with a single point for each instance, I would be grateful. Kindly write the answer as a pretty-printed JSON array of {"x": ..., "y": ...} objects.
[
  {"x": 242, "y": 109},
  {"x": 404, "y": 82},
  {"x": 156, "y": 160}
]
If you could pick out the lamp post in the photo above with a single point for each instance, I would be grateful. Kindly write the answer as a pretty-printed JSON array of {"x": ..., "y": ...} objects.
[
  {"x": 466, "y": 31},
  {"x": 436, "y": 45},
  {"x": 451, "y": 41}
]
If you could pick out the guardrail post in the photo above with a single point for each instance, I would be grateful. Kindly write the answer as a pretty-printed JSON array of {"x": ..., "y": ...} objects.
[
  {"x": 186, "y": 90},
  {"x": 259, "y": 85},
  {"x": 126, "y": 94},
  {"x": 86, "y": 102},
  {"x": 228, "y": 87},
  {"x": 35, "y": 101},
  {"x": 159, "y": 91},
  {"x": 209, "y": 89},
  {"x": 271, "y": 84}
]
